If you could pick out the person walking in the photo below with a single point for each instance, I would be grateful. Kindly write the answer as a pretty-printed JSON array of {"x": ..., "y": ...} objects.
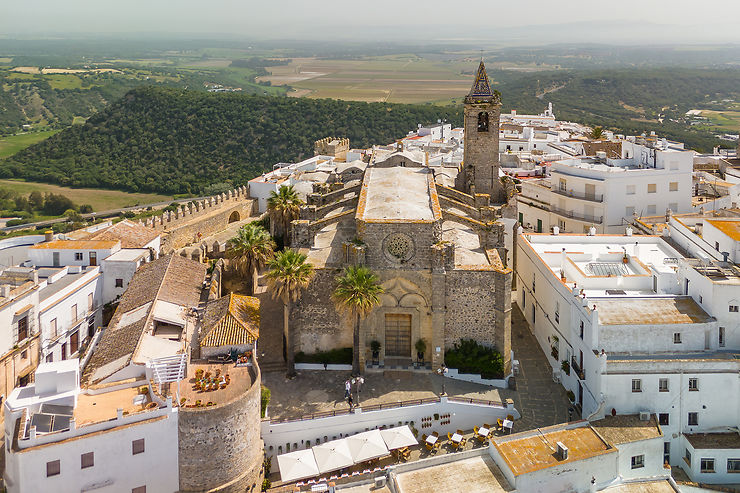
[
  {"x": 349, "y": 401},
  {"x": 347, "y": 389}
]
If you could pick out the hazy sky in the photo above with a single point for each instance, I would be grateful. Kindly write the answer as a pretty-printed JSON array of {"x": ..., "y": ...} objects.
[{"x": 418, "y": 19}]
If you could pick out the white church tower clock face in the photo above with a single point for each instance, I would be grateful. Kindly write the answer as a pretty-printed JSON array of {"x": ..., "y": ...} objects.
[{"x": 398, "y": 247}]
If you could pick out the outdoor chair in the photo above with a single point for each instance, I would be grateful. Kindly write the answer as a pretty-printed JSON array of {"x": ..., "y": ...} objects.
[
  {"x": 500, "y": 423},
  {"x": 510, "y": 417},
  {"x": 449, "y": 436},
  {"x": 423, "y": 437},
  {"x": 435, "y": 433},
  {"x": 460, "y": 432},
  {"x": 475, "y": 430},
  {"x": 429, "y": 447},
  {"x": 486, "y": 425},
  {"x": 481, "y": 439}
]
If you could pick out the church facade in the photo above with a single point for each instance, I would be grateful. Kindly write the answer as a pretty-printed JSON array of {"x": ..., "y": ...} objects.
[{"x": 437, "y": 251}]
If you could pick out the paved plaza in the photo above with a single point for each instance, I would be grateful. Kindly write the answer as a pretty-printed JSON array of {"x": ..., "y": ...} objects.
[{"x": 540, "y": 401}]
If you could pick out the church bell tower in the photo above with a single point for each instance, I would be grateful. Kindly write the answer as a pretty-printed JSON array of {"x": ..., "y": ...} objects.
[{"x": 481, "y": 158}]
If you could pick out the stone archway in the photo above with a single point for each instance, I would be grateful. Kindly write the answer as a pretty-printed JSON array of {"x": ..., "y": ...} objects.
[{"x": 234, "y": 217}]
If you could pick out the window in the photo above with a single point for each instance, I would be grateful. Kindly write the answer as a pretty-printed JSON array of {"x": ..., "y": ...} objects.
[
  {"x": 119, "y": 283},
  {"x": 676, "y": 338},
  {"x": 721, "y": 337},
  {"x": 630, "y": 189},
  {"x": 651, "y": 209},
  {"x": 581, "y": 330},
  {"x": 666, "y": 452},
  {"x": 534, "y": 282},
  {"x": 53, "y": 327},
  {"x": 557, "y": 312},
  {"x": 50, "y": 358},
  {"x": 652, "y": 188},
  {"x": 716, "y": 245},
  {"x": 693, "y": 419},
  {"x": 733, "y": 466},
  {"x": 139, "y": 489},
  {"x": 483, "y": 121},
  {"x": 73, "y": 311},
  {"x": 693, "y": 384},
  {"x": 137, "y": 446},
  {"x": 663, "y": 385},
  {"x": 687, "y": 457},
  {"x": 707, "y": 465},
  {"x": 636, "y": 385},
  {"x": 78, "y": 255},
  {"x": 562, "y": 185},
  {"x": 701, "y": 299},
  {"x": 629, "y": 211},
  {"x": 87, "y": 460},
  {"x": 89, "y": 302},
  {"x": 638, "y": 461},
  {"x": 22, "y": 328},
  {"x": 673, "y": 186},
  {"x": 24, "y": 354},
  {"x": 53, "y": 468},
  {"x": 561, "y": 225},
  {"x": 733, "y": 308},
  {"x": 664, "y": 419}
]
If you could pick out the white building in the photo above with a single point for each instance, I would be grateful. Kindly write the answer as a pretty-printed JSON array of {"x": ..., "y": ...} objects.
[
  {"x": 625, "y": 331},
  {"x": 59, "y": 438},
  {"x": 606, "y": 193}
]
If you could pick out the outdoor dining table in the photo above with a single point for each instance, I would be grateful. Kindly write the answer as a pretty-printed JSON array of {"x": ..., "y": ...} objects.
[
  {"x": 483, "y": 432},
  {"x": 431, "y": 439},
  {"x": 508, "y": 424},
  {"x": 457, "y": 438}
]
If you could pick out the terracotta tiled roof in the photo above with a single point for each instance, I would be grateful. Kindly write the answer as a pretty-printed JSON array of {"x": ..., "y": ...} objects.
[
  {"x": 130, "y": 234},
  {"x": 170, "y": 278},
  {"x": 230, "y": 321},
  {"x": 75, "y": 245}
]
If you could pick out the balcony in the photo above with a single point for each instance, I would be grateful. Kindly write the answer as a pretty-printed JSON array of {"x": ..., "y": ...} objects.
[
  {"x": 577, "y": 216},
  {"x": 576, "y": 368},
  {"x": 591, "y": 197}
]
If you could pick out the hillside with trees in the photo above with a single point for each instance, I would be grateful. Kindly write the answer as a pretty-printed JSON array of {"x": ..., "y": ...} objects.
[{"x": 179, "y": 141}]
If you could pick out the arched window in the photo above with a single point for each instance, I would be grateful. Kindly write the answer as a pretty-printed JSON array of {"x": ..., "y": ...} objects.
[{"x": 483, "y": 121}]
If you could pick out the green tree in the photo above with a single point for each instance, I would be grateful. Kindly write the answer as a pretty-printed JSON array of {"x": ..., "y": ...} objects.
[
  {"x": 289, "y": 275},
  {"x": 284, "y": 206},
  {"x": 249, "y": 251},
  {"x": 85, "y": 209},
  {"x": 36, "y": 200},
  {"x": 357, "y": 293},
  {"x": 597, "y": 133}
]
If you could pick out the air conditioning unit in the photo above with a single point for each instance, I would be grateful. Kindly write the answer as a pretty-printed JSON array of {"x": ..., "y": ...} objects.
[
  {"x": 380, "y": 481},
  {"x": 562, "y": 451},
  {"x": 644, "y": 416}
]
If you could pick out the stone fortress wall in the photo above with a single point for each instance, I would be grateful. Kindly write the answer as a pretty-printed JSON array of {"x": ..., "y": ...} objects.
[
  {"x": 205, "y": 216},
  {"x": 220, "y": 447},
  {"x": 330, "y": 146}
]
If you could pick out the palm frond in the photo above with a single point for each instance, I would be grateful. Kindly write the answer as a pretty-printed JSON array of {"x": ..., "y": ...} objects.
[
  {"x": 289, "y": 274},
  {"x": 358, "y": 291}
]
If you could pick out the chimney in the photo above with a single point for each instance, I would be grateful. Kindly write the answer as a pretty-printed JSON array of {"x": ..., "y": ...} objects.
[
  {"x": 48, "y": 235},
  {"x": 5, "y": 290}
]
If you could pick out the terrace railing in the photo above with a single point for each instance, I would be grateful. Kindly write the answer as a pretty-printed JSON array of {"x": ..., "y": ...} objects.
[{"x": 371, "y": 407}]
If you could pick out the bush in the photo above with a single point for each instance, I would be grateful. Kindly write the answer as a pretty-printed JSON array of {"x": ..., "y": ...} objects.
[
  {"x": 16, "y": 222},
  {"x": 266, "y": 484},
  {"x": 470, "y": 357},
  {"x": 265, "y": 395},
  {"x": 342, "y": 356}
]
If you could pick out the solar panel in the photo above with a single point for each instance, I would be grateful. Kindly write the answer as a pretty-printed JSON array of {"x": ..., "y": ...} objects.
[
  {"x": 60, "y": 423},
  {"x": 57, "y": 409},
  {"x": 42, "y": 422},
  {"x": 606, "y": 269}
]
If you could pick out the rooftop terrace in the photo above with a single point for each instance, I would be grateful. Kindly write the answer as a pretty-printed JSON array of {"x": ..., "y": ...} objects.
[{"x": 395, "y": 194}]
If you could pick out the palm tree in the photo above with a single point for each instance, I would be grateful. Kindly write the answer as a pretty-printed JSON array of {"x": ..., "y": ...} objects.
[
  {"x": 249, "y": 251},
  {"x": 284, "y": 206},
  {"x": 358, "y": 292},
  {"x": 288, "y": 276},
  {"x": 597, "y": 133}
]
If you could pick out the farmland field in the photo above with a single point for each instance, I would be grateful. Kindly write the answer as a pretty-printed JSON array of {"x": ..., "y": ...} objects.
[
  {"x": 13, "y": 143},
  {"x": 100, "y": 200},
  {"x": 725, "y": 121}
]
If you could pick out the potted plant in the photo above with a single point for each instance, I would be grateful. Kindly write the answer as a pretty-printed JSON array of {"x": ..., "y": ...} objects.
[
  {"x": 565, "y": 365},
  {"x": 375, "y": 348},
  {"x": 420, "y": 346}
]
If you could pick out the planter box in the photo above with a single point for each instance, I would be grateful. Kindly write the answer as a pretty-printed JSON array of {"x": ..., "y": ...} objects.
[
  {"x": 319, "y": 366},
  {"x": 470, "y": 377}
]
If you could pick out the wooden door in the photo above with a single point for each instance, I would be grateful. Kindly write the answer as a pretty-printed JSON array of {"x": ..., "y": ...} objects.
[
  {"x": 398, "y": 335},
  {"x": 74, "y": 342}
]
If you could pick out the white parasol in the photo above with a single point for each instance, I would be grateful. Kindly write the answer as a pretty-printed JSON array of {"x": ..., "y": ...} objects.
[
  {"x": 367, "y": 445},
  {"x": 398, "y": 437},
  {"x": 297, "y": 465},
  {"x": 333, "y": 455}
]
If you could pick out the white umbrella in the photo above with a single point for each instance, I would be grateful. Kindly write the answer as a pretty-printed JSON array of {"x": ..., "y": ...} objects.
[
  {"x": 297, "y": 465},
  {"x": 398, "y": 437},
  {"x": 333, "y": 455},
  {"x": 367, "y": 445}
]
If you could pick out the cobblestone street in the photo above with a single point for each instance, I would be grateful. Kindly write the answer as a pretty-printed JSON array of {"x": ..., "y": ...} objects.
[{"x": 540, "y": 401}]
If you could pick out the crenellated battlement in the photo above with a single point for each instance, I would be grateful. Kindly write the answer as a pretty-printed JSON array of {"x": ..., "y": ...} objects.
[{"x": 192, "y": 210}]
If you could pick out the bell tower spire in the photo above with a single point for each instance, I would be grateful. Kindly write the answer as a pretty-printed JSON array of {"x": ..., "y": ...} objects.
[{"x": 481, "y": 158}]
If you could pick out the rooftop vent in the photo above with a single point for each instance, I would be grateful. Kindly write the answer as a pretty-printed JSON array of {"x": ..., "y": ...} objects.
[
  {"x": 644, "y": 416},
  {"x": 562, "y": 451}
]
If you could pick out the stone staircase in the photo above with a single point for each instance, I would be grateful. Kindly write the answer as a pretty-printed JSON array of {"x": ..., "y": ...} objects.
[{"x": 271, "y": 366}]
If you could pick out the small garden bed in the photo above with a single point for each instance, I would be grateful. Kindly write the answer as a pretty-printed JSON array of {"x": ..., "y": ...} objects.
[
  {"x": 341, "y": 356},
  {"x": 470, "y": 357}
]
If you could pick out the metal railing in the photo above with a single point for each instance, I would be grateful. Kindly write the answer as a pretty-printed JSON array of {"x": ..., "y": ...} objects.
[
  {"x": 480, "y": 402},
  {"x": 577, "y": 216},
  {"x": 578, "y": 195}
]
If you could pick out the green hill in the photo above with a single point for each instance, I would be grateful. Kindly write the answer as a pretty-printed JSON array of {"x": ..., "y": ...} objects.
[{"x": 177, "y": 141}]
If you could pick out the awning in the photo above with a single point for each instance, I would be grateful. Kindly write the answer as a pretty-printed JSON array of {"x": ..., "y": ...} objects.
[
  {"x": 333, "y": 455},
  {"x": 297, "y": 465},
  {"x": 24, "y": 310},
  {"x": 367, "y": 445},
  {"x": 398, "y": 437}
]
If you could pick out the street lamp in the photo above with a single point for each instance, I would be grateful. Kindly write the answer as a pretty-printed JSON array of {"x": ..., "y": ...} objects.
[
  {"x": 358, "y": 381},
  {"x": 442, "y": 371}
]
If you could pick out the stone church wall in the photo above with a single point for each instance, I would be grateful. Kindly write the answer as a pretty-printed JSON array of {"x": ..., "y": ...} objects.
[
  {"x": 470, "y": 307},
  {"x": 317, "y": 325},
  {"x": 422, "y": 235},
  {"x": 220, "y": 449}
]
